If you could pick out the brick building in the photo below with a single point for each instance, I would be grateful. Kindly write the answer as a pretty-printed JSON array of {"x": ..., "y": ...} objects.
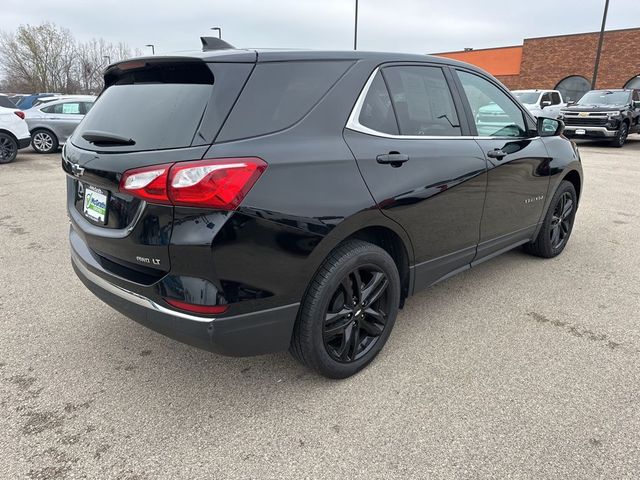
[{"x": 563, "y": 62}]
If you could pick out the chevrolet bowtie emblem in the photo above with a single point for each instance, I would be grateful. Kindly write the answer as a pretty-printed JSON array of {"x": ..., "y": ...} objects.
[{"x": 77, "y": 170}]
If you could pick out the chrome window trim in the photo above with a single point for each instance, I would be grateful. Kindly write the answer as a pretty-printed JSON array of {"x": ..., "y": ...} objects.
[{"x": 353, "y": 123}]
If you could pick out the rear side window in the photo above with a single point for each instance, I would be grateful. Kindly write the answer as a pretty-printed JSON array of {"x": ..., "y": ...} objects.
[
  {"x": 279, "y": 94},
  {"x": 69, "y": 108},
  {"x": 376, "y": 112},
  {"x": 422, "y": 101}
]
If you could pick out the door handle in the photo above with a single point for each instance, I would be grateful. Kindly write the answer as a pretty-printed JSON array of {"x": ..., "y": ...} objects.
[
  {"x": 496, "y": 153},
  {"x": 394, "y": 159}
]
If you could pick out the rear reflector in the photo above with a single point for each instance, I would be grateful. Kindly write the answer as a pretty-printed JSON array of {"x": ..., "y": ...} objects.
[
  {"x": 220, "y": 183},
  {"x": 190, "y": 307},
  {"x": 19, "y": 113}
]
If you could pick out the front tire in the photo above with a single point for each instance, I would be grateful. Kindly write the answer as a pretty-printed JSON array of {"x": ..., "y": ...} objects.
[
  {"x": 557, "y": 224},
  {"x": 8, "y": 148},
  {"x": 348, "y": 311},
  {"x": 44, "y": 141},
  {"x": 621, "y": 137}
]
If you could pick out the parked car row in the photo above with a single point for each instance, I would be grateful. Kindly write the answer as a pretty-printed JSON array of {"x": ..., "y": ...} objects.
[
  {"x": 43, "y": 120},
  {"x": 600, "y": 114}
]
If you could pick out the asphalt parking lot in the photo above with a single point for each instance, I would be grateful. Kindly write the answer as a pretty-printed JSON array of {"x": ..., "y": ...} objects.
[{"x": 520, "y": 368}]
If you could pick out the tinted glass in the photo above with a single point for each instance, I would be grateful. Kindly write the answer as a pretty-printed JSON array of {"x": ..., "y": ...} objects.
[
  {"x": 572, "y": 88},
  {"x": 545, "y": 98},
  {"x": 555, "y": 98},
  {"x": 376, "y": 112},
  {"x": 422, "y": 101},
  {"x": 154, "y": 115},
  {"x": 6, "y": 103},
  {"x": 86, "y": 106},
  {"x": 279, "y": 94},
  {"x": 495, "y": 114},
  {"x": 604, "y": 98}
]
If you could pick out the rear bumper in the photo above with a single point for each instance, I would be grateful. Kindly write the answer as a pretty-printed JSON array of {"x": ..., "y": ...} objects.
[
  {"x": 589, "y": 132},
  {"x": 255, "y": 333},
  {"x": 24, "y": 142}
]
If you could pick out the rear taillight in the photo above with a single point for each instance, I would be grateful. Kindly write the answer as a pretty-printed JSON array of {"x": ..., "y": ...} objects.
[
  {"x": 192, "y": 307},
  {"x": 220, "y": 183},
  {"x": 19, "y": 113},
  {"x": 148, "y": 183}
]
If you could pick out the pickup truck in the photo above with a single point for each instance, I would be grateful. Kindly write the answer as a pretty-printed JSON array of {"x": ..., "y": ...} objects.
[
  {"x": 541, "y": 103},
  {"x": 605, "y": 115}
]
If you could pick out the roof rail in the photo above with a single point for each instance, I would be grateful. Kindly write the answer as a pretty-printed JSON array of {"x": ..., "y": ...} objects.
[{"x": 213, "y": 43}]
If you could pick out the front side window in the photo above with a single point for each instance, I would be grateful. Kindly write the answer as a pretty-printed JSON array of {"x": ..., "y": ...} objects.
[
  {"x": 545, "y": 98},
  {"x": 422, "y": 101},
  {"x": 376, "y": 112},
  {"x": 495, "y": 114}
]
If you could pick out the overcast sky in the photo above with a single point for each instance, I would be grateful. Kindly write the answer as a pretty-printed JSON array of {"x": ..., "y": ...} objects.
[{"x": 390, "y": 25}]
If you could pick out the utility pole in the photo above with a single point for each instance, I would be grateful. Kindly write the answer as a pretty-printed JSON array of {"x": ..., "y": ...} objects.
[
  {"x": 355, "y": 31},
  {"x": 153, "y": 48},
  {"x": 600, "y": 41}
]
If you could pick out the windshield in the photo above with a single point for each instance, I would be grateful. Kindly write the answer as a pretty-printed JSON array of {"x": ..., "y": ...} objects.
[
  {"x": 604, "y": 98},
  {"x": 527, "y": 97}
]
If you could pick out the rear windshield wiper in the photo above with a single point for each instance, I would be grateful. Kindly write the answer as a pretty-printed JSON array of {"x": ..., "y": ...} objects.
[{"x": 106, "y": 138}]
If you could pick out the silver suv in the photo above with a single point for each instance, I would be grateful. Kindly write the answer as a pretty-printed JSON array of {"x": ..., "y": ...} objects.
[{"x": 51, "y": 123}]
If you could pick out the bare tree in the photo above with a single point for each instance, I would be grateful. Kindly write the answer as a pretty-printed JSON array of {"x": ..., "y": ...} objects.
[{"x": 46, "y": 58}]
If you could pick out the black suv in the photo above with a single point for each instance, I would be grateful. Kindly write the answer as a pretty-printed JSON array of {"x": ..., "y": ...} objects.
[
  {"x": 247, "y": 201},
  {"x": 604, "y": 114}
]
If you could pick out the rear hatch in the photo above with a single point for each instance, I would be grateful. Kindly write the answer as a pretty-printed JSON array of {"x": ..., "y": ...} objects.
[{"x": 152, "y": 111}]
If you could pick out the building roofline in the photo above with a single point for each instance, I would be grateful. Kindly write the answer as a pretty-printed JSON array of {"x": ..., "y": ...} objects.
[
  {"x": 538, "y": 38},
  {"x": 476, "y": 50},
  {"x": 597, "y": 32}
]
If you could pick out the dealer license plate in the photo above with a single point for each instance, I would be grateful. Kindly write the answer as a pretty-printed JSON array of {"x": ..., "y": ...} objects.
[
  {"x": 95, "y": 204},
  {"x": 580, "y": 131}
]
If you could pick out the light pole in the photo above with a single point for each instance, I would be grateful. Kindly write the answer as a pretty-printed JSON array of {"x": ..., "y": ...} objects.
[
  {"x": 153, "y": 48},
  {"x": 219, "y": 31},
  {"x": 355, "y": 30},
  {"x": 600, "y": 40}
]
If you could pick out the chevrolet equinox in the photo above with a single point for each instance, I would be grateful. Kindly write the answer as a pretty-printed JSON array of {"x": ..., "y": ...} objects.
[{"x": 252, "y": 201}]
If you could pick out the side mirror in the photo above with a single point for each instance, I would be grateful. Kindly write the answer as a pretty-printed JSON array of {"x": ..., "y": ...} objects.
[
  {"x": 545, "y": 103},
  {"x": 549, "y": 127},
  {"x": 570, "y": 102}
]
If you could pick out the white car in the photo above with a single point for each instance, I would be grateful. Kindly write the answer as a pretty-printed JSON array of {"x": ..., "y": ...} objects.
[
  {"x": 541, "y": 103},
  {"x": 52, "y": 123},
  {"x": 14, "y": 132}
]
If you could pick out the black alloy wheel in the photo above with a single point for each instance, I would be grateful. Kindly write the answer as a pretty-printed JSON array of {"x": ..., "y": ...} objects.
[
  {"x": 357, "y": 314},
  {"x": 8, "y": 148},
  {"x": 348, "y": 310},
  {"x": 561, "y": 220},
  {"x": 557, "y": 224}
]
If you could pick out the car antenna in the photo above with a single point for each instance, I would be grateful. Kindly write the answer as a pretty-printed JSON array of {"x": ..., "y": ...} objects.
[{"x": 213, "y": 43}]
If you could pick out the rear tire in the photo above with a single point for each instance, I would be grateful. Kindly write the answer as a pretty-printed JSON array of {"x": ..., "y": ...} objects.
[
  {"x": 44, "y": 141},
  {"x": 8, "y": 148},
  {"x": 348, "y": 311},
  {"x": 557, "y": 224},
  {"x": 621, "y": 137}
]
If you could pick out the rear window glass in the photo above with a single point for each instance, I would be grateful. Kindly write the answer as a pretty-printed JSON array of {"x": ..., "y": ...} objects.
[
  {"x": 278, "y": 95},
  {"x": 154, "y": 115},
  {"x": 158, "y": 104}
]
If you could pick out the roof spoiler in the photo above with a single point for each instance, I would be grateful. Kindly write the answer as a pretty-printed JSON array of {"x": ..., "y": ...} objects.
[{"x": 213, "y": 43}]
